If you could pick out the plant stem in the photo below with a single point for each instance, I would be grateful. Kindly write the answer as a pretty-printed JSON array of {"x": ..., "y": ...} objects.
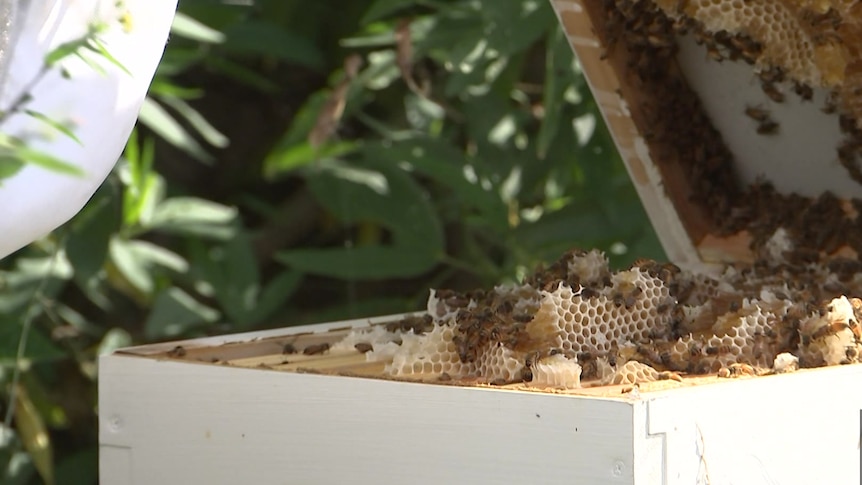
[
  {"x": 25, "y": 332},
  {"x": 24, "y": 97}
]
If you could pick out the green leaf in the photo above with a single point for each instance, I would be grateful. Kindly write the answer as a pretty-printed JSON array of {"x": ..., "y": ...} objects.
[
  {"x": 446, "y": 165},
  {"x": 381, "y": 192},
  {"x": 366, "y": 307},
  {"x": 190, "y": 28},
  {"x": 512, "y": 26},
  {"x": 194, "y": 216},
  {"x": 275, "y": 294},
  {"x": 40, "y": 348},
  {"x": 144, "y": 188},
  {"x": 165, "y": 87},
  {"x": 378, "y": 193},
  {"x": 285, "y": 160},
  {"x": 9, "y": 166},
  {"x": 163, "y": 124},
  {"x": 34, "y": 435},
  {"x": 16, "y": 466},
  {"x": 115, "y": 338},
  {"x": 62, "y": 128},
  {"x": 99, "y": 48},
  {"x": 361, "y": 263},
  {"x": 135, "y": 271},
  {"x": 207, "y": 131},
  {"x": 64, "y": 50},
  {"x": 238, "y": 281},
  {"x": 175, "y": 313},
  {"x": 48, "y": 161},
  {"x": 381, "y": 9},
  {"x": 241, "y": 73},
  {"x": 89, "y": 234},
  {"x": 81, "y": 467},
  {"x": 263, "y": 38},
  {"x": 135, "y": 260}
]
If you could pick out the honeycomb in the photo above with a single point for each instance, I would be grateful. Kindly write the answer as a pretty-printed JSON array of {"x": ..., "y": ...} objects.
[
  {"x": 811, "y": 42},
  {"x": 588, "y": 324},
  {"x": 429, "y": 353},
  {"x": 579, "y": 320},
  {"x": 556, "y": 372},
  {"x": 633, "y": 372}
]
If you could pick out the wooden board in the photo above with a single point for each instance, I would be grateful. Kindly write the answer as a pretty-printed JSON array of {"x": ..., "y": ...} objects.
[
  {"x": 172, "y": 422},
  {"x": 177, "y": 420}
]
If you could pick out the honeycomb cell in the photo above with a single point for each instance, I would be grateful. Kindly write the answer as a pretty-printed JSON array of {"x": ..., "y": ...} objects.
[{"x": 643, "y": 335}]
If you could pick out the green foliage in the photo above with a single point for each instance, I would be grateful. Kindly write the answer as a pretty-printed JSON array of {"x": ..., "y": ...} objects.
[{"x": 464, "y": 150}]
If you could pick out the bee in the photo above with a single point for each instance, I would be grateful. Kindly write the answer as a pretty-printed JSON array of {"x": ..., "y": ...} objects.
[
  {"x": 666, "y": 358},
  {"x": 772, "y": 75},
  {"x": 531, "y": 359},
  {"x": 737, "y": 370},
  {"x": 316, "y": 349},
  {"x": 669, "y": 376},
  {"x": 178, "y": 351},
  {"x": 829, "y": 329},
  {"x": 457, "y": 301},
  {"x": 363, "y": 347},
  {"x": 804, "y": 91},
  {"x": 522, "y": 317},
  {"x": 767, "y": 127},
  {"x": 757, "y": 113},
  {"x": 660, "y": 41},
  {"x": 847, "y": 124},
  {"x": 773, "y": 92},
  {"x": 713, "y": 52},
  {"x": 719, "y": 350},
  {"x": 854, "y": 327},
  {"x": 288, "y": 348},
  {"x": 831, "y": 104}
]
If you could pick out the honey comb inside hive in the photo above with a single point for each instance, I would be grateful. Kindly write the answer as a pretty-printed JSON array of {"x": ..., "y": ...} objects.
[
  {"x": 577, "y": 324},
  {"x": 792, "y": 303}
]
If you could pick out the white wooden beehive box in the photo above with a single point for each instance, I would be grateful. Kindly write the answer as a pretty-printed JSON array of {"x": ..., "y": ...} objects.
[
  {"x": 281, "y": 407},
  {"x": 226, "y": 410}
]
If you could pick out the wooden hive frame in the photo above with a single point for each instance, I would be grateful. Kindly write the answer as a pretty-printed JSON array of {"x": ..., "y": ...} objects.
[{"x": 689, "y": 229}]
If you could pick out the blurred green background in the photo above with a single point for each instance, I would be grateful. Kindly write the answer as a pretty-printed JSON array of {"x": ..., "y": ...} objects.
[{"x": 308, "y": 161}]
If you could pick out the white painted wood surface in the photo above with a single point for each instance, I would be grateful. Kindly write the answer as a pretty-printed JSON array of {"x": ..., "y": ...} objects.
[
  {"x": 164, "y": 422},
  {"x": 800, "y": 428}
]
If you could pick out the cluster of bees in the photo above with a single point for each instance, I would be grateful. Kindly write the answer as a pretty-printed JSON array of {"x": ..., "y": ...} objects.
[
  {"x": 641, "y": 41},
  {"x": 486, "y": 316},
  {"x": 485, "y": 319}
]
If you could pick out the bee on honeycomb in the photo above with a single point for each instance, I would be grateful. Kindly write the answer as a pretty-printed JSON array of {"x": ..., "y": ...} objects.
[{"x": 760, "y": 318}]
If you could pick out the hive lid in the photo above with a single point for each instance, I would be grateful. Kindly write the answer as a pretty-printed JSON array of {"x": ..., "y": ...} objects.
[{"x": 706, "y": 135}]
